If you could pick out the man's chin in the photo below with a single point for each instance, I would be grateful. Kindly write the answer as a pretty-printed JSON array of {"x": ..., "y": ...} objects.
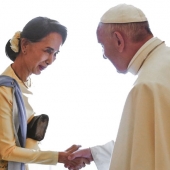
[{"x": 122, "y": 71}]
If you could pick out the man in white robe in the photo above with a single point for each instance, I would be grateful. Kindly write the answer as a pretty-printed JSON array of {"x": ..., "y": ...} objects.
[{"x": 143, "y": 140}]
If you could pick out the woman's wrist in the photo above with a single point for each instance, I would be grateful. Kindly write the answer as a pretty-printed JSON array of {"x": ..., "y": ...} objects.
[{"x": 62, "y": 157}]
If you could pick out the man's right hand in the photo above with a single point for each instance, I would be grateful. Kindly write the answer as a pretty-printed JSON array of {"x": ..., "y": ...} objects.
[{"x": 82, "y": 153}]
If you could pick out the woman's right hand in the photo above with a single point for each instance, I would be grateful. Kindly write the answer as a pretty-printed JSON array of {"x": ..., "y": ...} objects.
[{"x": 75, "y": 164}]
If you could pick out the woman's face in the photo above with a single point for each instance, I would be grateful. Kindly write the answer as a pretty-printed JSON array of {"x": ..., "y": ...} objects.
[{"x": 41, "y": 54}]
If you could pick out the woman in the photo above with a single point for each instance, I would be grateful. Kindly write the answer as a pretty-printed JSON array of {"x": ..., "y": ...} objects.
[{"x": 31, "y": 51}]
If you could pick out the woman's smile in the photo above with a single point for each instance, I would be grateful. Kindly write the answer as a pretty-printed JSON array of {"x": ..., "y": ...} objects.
[{"x": 41, "y": 68}]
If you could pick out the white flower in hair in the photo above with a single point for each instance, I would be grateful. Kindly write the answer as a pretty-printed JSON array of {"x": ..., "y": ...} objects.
[{"x": 15, "y": 41}]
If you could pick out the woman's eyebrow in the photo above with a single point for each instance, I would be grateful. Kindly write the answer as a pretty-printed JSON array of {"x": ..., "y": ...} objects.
[
  {"x": 57, "y": 51},
  {"x": 50, "y": 48}
]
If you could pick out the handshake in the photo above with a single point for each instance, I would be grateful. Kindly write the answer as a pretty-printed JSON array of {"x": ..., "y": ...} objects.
[{"x": 75, "y": 159}]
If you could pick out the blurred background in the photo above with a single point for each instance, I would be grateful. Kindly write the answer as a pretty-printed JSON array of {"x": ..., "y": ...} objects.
[{"x": 81, "y": 92}]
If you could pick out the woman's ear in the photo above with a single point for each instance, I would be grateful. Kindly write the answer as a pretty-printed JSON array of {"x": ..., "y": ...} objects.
[
  {"x": 24, "y": 45},
  {"x": 119, "y": 41}
]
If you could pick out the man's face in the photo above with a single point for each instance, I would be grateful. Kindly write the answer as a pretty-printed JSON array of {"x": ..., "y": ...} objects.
[
  {"x": 108, "y": 41},
  {"x": 104, "y": 40}
]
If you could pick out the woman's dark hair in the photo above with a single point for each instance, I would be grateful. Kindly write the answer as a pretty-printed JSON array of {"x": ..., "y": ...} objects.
[{"x": 35, "y": 30}]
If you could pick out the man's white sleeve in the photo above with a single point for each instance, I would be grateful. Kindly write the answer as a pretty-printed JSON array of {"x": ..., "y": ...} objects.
[{"x": 102, "y": 155}]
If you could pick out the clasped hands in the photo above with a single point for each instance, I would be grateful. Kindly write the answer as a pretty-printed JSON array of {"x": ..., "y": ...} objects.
[{"x": 75, "y": 159}]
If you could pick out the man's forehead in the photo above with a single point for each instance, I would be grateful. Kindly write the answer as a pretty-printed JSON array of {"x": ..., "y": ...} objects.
[
  {"x": 100, "y": 29},
  {"x": 100, "y": 33}
]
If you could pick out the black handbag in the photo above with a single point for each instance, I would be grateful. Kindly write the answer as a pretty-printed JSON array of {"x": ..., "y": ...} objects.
[{"x": 36, "y": 128}]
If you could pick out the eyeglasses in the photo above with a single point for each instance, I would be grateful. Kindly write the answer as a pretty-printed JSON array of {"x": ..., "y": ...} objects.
[{"x": 103, "y": 53}]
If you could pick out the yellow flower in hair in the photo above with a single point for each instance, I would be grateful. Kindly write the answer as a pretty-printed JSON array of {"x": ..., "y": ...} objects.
[{"x": 15, "y": 42}]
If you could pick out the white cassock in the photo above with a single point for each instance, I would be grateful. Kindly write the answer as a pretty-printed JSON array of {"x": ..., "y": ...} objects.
[{"x": 143, "y": 140}]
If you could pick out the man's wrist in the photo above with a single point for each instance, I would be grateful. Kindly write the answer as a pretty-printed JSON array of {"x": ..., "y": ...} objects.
[{"x": 90, "y": 153}]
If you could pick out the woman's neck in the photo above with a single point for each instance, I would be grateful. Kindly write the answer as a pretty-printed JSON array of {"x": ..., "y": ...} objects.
[{"x": 20, "y": 70}]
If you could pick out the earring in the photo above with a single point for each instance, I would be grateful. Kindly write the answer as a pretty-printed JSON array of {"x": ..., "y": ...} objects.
[{"x": 23, "y": 50}]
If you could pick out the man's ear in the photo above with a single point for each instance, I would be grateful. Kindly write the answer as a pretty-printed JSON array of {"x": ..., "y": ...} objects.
[{"x": 119, "y": 41}]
